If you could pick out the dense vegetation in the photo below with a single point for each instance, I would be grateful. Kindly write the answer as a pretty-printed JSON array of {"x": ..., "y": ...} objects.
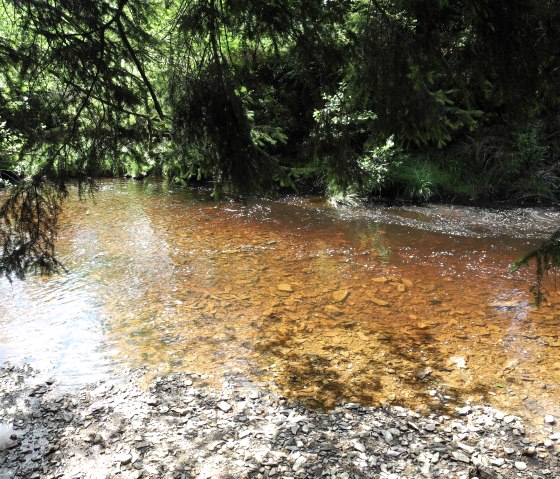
[{"x": 433, "y": 99}]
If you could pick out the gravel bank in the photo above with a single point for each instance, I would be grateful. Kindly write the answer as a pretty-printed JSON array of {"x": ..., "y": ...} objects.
[{"x": 178, "y": 428}]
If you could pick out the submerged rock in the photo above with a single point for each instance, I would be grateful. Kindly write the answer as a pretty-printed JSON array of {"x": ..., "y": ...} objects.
[
  {"x": 340, "y": 296},
  {"x": 378, "y": 302},
  {"x": 285, "y": 288}
]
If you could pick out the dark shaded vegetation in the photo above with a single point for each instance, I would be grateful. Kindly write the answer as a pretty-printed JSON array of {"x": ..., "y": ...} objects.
[
  {"x": 427, "y": 100},
  {"x": 547, "y": 260}
]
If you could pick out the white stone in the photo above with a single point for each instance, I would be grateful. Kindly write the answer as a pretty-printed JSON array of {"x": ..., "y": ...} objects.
[
  {"x": 463, "y": 411},
  {"x": 300, "y": 461},
  {"x": 459, "y": 456},
  {"x": 359, "y": 446},
  {"x": 549, "y": 419},
  {"x": 124, "y": 459},
  {"x": 224, "y": 406}
]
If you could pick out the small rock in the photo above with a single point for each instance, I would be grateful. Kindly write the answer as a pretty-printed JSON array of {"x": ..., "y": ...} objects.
[
  {"x": 254, "y": 395},
  {"x": 381, "y": 279},
  {"x": 509, "y": 419},
  {"x": 340, "y": 296},
  {"x": 461, "y": 363},
  {"x": 484, "y": 472},
  {"x": 463, "y": 411},
  {"x": 530, "y": 451},
  {"x": 300, "y": 461},
  {"x": 549, "y": 419},
  {"x": 379, "y": 302},
  {"x": 124, "y": 459},
  {"x": 7, "y": 444},
  {"x": 387, "y": 435},
  {"x": 359, "y": 446},
  {"x": 424, "y": 372},
  {"x": 285, "y": 288},
  {"x": 152, "y": 470},
  {"x": 466, "y": 448},
  {"x": 152, "y": 401},
  {"x": 520, "y": 466},
  {"x": 460, "y": 457},
  {"x": 224, "y": 406},
  {"x": 214, "y": 445}
]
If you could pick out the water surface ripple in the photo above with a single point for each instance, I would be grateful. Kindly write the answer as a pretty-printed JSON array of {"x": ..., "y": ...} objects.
[{"x": 411, "y": 305}]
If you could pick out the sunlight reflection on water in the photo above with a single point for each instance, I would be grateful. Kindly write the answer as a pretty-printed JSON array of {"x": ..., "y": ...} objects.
[{"x": 328, "y": 305}]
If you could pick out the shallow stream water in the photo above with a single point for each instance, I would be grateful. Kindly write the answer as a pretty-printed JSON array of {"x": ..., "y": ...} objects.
[{"x": 407, "y": 305}]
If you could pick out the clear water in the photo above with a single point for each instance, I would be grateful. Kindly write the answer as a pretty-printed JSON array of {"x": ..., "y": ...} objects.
[{"x": 372, "y": 305}]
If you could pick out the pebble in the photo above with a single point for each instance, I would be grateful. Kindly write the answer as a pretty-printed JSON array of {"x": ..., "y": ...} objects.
[
  {"x": 387, "y": 435},
  {"x": 549, "y": 419},
  {"x": 509, "y": 419},
  {"x": 463, "y": 411},
  {"x": 124, "y": 459},
  {"x": 520, "y": 466},
  {"x": 459, "y": 456},
  {"x": 359, "y": 447},
  {"x": 224, "y": 406}
]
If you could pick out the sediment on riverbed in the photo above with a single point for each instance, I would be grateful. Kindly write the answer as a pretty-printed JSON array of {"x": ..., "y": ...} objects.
[{"x": 179, "y": 428}]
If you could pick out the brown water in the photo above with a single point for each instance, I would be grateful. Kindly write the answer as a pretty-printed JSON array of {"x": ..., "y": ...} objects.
[{"x": 413, "y": 306}]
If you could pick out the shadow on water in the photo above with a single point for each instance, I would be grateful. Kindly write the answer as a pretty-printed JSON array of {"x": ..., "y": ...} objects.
[{"x": 408, "y": 373}]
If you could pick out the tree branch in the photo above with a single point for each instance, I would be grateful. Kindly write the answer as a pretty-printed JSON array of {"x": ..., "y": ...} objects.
[{"x": 136, "y": 61}]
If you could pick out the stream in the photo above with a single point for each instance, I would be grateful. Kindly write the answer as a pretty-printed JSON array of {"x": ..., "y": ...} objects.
[{"x": 413, "y": 306}]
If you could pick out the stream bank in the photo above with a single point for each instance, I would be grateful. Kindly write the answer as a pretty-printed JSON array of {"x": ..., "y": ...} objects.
[{"x": 177, "y": 427}]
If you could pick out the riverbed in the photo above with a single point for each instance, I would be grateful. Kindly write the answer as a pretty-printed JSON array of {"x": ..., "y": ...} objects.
[{"x": 401, "y": 306}]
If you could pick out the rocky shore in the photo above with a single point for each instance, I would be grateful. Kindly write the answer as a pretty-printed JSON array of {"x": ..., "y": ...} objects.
[{"x": 179, "y": 428}]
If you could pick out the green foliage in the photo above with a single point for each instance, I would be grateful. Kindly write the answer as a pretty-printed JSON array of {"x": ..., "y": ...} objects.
[
  {"x": 340, "y": 137},
  {"x": 11, "y": 144},
  {"x": 74, "y": 91},
  {"x": 416, "y": 100},
  {"x": 377, "y": 164},
  {"x": 532, "y": 177},
  {"x": 513, "y": 165},
  {"x": 421, "y": 179}
]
